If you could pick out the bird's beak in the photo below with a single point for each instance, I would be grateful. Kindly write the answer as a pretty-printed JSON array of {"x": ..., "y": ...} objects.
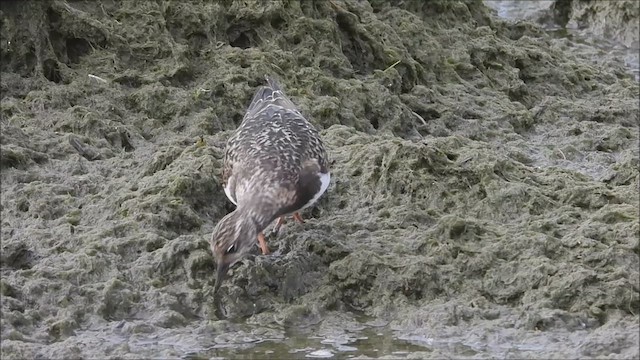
[{"x": 221, "y": 272}]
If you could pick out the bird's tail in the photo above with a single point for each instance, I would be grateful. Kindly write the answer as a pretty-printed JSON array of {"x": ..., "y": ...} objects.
[
  {"x": 270, "y": 94},
  {"x": 273, "y": 83}
]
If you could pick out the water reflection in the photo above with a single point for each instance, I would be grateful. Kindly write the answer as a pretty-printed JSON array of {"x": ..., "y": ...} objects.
[{"x": 366, "y": 343}]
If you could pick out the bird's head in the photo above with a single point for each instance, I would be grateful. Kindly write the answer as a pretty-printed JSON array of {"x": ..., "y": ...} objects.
[{"x": 231, "y": 240}]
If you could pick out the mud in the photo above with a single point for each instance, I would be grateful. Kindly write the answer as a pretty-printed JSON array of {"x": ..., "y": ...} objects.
[{"x": 484, "y": 194}]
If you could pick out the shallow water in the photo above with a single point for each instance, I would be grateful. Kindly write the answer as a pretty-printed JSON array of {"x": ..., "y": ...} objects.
[
  {"x": 242, "y": 341},
  {"x": 369, "y": 339},
  {"x": 370, "y": 342},
  {"x": 363, "y": 339}
]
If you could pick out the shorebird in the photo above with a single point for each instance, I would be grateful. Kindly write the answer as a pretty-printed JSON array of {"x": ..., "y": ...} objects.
[{"x": 275, "y": 165}]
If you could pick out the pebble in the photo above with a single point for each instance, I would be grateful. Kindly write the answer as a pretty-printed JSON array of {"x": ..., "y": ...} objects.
[{"x": 323, "y": 353}]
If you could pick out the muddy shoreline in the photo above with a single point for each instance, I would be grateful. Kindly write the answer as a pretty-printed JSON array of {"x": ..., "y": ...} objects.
[{"x": 484, "y": 189}]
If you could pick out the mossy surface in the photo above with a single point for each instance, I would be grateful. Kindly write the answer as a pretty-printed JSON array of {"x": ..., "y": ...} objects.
[{"x": 485, "y": 177}]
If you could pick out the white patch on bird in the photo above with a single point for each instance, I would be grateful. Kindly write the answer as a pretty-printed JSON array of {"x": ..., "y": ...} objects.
[
  {"x": 325, "y": 179},
  {"x": 227, "y": 191}
]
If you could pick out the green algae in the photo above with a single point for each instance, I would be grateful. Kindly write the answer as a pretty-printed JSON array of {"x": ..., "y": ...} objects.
[{"x": 484, "y": 175}]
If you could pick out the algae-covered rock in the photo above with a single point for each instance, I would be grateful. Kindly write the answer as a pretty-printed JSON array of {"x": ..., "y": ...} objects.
[
  {"x": 484, "y": 178},
  {"x": 606, "y": 21},
  {"x": 615, "y": 20}
]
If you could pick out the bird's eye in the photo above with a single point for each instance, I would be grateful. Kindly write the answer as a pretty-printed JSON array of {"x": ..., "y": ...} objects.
[{"x": 231, "y": 249}]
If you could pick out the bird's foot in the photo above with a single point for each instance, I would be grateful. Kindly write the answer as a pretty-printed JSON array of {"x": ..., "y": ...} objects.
[
  {"x": 277, "y": 226},
  {"x": 298, "y": 218},
  {"x": 281, "y": 221}
]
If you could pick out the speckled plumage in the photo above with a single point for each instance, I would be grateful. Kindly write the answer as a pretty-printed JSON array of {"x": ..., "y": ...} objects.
[{"x": 272, "y": 168}]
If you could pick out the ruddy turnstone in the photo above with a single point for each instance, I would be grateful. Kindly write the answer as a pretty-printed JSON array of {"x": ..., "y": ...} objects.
[{"x": 275, "y": 165}]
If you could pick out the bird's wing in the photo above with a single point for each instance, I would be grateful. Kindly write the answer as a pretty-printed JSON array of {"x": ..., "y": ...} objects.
[{"x": 227, "y": 169}]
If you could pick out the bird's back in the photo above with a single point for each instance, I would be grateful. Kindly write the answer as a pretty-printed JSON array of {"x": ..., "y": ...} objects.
[{"x": 273, "y": 141}]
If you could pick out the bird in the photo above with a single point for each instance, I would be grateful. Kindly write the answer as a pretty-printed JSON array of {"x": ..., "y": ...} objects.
[{"x": 275, "y": 165}]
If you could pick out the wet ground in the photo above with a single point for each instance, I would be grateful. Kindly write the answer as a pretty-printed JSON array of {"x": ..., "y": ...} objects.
[{"x": 485, "y": 181}]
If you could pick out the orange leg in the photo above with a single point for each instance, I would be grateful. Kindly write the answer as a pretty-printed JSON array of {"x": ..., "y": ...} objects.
[
  {"x": 279, "y": 223},
  {"x": 298, "y": 218},
  {"x": 263, "y": 244}
]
